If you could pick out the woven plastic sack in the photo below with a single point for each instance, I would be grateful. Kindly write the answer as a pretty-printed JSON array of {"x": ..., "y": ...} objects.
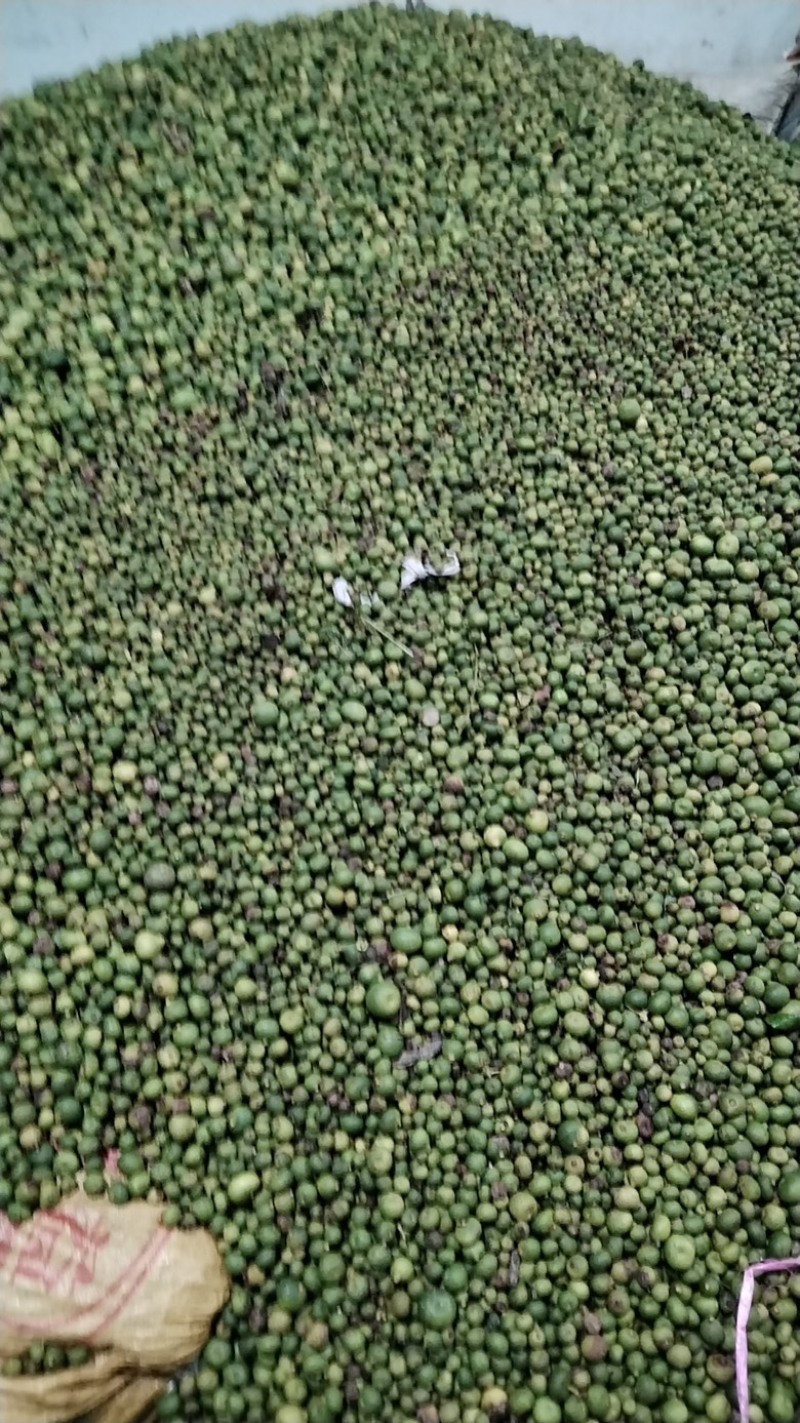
[{"x": 114, "y": 1279}]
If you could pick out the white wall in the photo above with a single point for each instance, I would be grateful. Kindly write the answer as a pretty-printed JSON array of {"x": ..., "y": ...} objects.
[{"x": 733, "y": 48}]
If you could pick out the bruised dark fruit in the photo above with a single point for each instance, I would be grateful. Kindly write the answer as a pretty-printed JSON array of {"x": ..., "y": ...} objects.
[{"x": 443, "y": 963}]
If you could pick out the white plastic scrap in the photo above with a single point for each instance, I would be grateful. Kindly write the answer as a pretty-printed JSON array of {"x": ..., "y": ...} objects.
[
  {"x": 416, "y": 570},
  {"x": 413, "y": 571},
  {"x": 450, "y": 567},
  {"x": 342, "y": 592}
]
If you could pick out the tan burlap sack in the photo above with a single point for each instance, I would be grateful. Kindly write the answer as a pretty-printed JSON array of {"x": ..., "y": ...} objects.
[{"x": 115, "y": 1280}]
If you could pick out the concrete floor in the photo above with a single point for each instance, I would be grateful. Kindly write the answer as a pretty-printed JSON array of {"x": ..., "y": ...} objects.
[{"x": 731, "y": 48}]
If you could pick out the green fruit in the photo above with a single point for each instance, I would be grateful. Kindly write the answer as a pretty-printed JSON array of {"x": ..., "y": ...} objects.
[
  {"x": 679, "y": 1252},
  {"x": 789, "y": 1188},
  {"x": 435, "y": 953},
  {"x": 628, "y": 411},
  {"x": 383, "y": 999},
  {"x": 265, "y": 713},
  {"x": 406, "y": 940},
  {"x": 159, "y": 875},
  {"x": 523, "y": 1207},
  {"x": 354, "y": 712},
  {"x": 782, "y": 1402},
  {"x": 546, "y": 1410},
  {"x": 437, "y": 1310},
  {"x": 242, "y": 1186}
]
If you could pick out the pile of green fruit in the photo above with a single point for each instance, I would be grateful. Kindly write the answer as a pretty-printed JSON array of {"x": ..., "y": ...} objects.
[{"x": 441, "y": 956}]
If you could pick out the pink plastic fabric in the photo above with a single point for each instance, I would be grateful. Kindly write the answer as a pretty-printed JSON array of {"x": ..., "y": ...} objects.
[
  {"x": 111, "y": 1169},
  {"x": 764, "y": 1267}
]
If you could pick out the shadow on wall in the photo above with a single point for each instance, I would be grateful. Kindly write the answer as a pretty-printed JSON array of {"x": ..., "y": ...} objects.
[{"x": 715, "y": 42}]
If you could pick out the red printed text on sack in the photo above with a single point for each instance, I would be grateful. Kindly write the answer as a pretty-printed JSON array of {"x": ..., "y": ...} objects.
[{"x": 56, "y": 1253}]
